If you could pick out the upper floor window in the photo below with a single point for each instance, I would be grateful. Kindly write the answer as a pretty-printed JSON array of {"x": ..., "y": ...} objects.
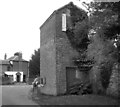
[{"x": 63, "y": 22}]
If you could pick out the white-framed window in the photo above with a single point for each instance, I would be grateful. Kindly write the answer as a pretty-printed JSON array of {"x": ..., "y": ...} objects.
[{"x": 63, "y": 22}]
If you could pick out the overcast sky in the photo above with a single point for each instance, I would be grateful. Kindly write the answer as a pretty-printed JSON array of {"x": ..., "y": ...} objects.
[{"x": 20, "y": 21}]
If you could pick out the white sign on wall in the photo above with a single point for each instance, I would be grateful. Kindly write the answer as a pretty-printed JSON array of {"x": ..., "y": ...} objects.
[{"x": 63, "y": 22}]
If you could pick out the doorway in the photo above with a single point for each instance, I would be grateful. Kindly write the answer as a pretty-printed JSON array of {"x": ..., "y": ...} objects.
[
  {"x": 71, "y": 77},
  {"x": 24, "y": 78},
  {"x": 18, "y": 76}
]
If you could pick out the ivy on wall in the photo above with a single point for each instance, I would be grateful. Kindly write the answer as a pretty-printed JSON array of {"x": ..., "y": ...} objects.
[{"x": 78, "y": 33}]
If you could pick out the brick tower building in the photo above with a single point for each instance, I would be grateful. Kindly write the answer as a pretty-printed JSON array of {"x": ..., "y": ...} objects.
[{"x": 57, "y": 69}]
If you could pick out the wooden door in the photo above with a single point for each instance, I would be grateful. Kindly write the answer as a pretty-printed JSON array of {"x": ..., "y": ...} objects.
[
  {"x": 18, "y": 78},
  {"x": 24, "y": 78},
  {"x": 70, "y": 76}
]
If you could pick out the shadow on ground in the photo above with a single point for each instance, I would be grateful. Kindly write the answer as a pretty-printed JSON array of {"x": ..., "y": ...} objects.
[{"x": 42, "y": 99}]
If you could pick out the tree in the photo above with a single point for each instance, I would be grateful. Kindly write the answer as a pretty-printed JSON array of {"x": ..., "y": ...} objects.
[
  {"x": 105, "y": 22},
  {"x": 34, "y": 65},
  {"x": 77, "y": 33}
]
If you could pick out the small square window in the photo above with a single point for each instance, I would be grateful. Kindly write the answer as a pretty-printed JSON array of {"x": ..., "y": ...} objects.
[{"x": 42, "y": 81}]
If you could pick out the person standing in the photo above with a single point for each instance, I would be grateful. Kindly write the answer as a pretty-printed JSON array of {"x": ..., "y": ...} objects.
[{"x": 36, "y": 82}]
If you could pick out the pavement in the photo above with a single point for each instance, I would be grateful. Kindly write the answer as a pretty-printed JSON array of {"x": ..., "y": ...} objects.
[
  {"x": 89, "y": 99},
  {"x": 17, "y": 95},
  {"x": 20, "y": 94}
]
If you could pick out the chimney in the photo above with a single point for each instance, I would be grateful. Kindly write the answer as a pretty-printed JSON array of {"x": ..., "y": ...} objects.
[
  {"x": 19, "y": 54},
  {"x": 5, "y": 56}
]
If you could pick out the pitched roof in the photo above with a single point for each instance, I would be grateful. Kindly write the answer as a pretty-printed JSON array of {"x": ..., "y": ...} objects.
[
  {"x": 65, "y": 6},
  {"x": 16, "y": 58}
]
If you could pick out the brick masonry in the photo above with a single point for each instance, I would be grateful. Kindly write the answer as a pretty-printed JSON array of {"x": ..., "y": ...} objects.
[
  {"x": 64, "y": 52},
  {"x": 56, "y": 53},
  {"x": 48, "y": 56}
]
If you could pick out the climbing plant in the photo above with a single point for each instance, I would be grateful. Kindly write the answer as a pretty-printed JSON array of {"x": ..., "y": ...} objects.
[
  {"x": 103, "y": 49},
  {"x": 78, "y": 33}
]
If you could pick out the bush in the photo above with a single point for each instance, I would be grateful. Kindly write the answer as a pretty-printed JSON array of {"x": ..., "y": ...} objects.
[
  {"x": 6, "y": 81},
  {"x": 106, "y": 71}
]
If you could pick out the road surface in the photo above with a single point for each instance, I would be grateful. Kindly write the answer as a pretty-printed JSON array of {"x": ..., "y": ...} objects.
[{"x": 16, "y": 95}]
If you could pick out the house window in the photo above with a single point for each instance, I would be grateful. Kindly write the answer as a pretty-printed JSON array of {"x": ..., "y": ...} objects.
[
  {"x": 63, "y": 22},
  {"x": 42, "y": 81},
  {"x": 8, "y": 68}
]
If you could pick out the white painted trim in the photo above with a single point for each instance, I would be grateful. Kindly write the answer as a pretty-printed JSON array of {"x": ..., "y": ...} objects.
[
  {"x": 63, "y": 22},
  {"x": 14, "y": 75}
]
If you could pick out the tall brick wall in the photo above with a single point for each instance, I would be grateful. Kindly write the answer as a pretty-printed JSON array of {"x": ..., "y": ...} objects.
[
  {"x": 48, "y": 56},
  {"x": 64, "y": 52},
  {"x": 56, "y": 53}
]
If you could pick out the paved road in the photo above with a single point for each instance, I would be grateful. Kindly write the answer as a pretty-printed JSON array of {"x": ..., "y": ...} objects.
[{"x": 16, "y": 95}]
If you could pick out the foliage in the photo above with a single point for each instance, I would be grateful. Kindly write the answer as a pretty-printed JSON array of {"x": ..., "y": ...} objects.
[
  {"x": 77, "y": 15},
  {"x": 106, "y": 70},
  {"x": 105, "y": 22},
  {"x": 78, "y": 33},
  {"x": 34, "y": 65}
]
